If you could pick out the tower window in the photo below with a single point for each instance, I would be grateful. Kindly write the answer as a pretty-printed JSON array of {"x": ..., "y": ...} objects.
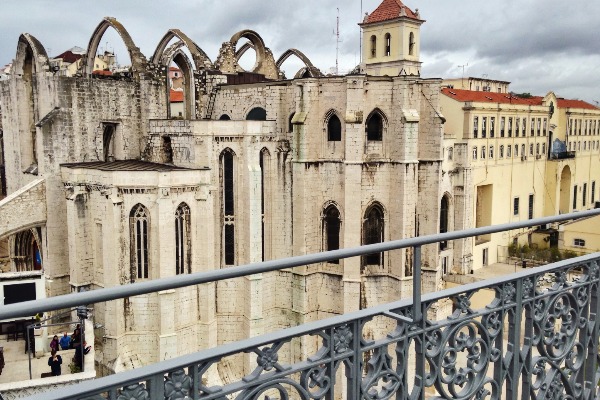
[
  {"x": 388, "y": 44},
  {"x": 373, "y": 46},
  {"x": 411, "y": 44}
]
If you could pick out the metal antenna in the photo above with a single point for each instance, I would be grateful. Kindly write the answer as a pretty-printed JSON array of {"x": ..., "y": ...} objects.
[
  {"x": 360, "y": 33},
  {"x": 462, "y": 79},
  {"x": 337, "y": 40}
]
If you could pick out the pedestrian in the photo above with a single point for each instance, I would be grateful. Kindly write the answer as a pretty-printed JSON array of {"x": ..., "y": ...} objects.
[
  {"x": 54, "y": 361},
  {"x": 65, "y": 342},
  {"x": 76, "y": 337},
  {"x": 54, "y": 344}
]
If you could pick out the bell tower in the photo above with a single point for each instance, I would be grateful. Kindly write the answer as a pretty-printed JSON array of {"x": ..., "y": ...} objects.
[{"x": 392, "y": 40}]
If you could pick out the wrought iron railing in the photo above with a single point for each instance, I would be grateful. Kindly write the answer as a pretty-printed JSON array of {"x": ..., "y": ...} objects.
[{"x": 537, "y": 337}]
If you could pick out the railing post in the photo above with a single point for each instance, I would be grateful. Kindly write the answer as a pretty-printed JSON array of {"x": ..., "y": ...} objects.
[{"x": 417, "y": 314}]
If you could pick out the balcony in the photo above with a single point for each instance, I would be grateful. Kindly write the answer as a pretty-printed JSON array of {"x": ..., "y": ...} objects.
[
  {"x": 561, "y": 155},
  {"x": 534, "y": 334}
]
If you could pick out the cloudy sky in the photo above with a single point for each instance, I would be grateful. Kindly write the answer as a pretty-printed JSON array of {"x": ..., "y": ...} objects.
[{"x": 538, "y": 45}]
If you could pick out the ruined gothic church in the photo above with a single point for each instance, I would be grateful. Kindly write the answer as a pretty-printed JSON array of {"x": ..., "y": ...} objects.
[{"x": 110, "y": 189}]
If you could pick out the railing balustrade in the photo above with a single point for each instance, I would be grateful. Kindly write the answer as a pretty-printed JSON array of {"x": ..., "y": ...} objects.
[{"x": 537, "y": 337}]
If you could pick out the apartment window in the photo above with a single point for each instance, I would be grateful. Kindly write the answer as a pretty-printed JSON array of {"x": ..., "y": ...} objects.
[
  {"x": 492, "y": 126},
  {"x": 575, "y": 197},
  {"x": 543, "y": 148},
  {"x": 334, "y": 129},
  {"x": 530, "y": 210},
  {"x": 183, "y": 259},
  {"x": 501, "y": 155},
  {"x": 516, "y": 206},
  {"x": 475, "y": 127},
  {"x": 373, "y": 225},
  {"x": 539, "y": 126},
  {"x": 510, "y": 127},
  {"x": 491, "y": 152},
  {"x": 450, "y": 153},
  {"x": 578, "y": 242},
  {"x": 482, "y": 152},
  {"x": 524, "y": 127},
  {"x": 579, "y": 130},
  {"x": 593, "y": 192},
  {"x": 228, "y": 206},
  {"x": 508, "y": 151},
  {"x": 139, "y": 226},
  {"x": 532, "y": 126},
  {"x": 483, "y": 127},
  {"x": 584, "y": 195},
  {"x": 531, "y": 149},
  {"x": 502, "y": 121},
  {"x": 475, "y": 153},
  {"x": 537, "y": 149},
  {"x": 523, "y": 150},
  {"x": 545, "y": 127},
  {"x": 570, "y": 126}
]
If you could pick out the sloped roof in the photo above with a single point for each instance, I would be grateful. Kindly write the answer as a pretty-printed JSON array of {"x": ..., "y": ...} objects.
[
  {"x": 388, "y": 10},
  {"x": 566, "y": 103},
  {"x": 176, "y": 96},
  {"x": 69, "y": 57},
  {"x": 488, "y": 97}
]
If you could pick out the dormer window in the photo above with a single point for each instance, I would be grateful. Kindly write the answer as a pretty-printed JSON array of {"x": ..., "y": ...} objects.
[
  {"x": 373, "y": 46},
  {"x": 388, "y": 44}
]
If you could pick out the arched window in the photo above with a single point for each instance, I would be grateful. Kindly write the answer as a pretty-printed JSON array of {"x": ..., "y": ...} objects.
[
  {"x": 334, "y": 128},
  {"x": 224, "y": 117},
  {"x": 373, "y": 46},
  {"x": 375, "y": 127},
  {"x": 331, "y": 229},
  {"x": 388, "y": 44},
  {"x": 27, "y": 255},
  {"x": 108, "y": 142},
  {"x": 139, "y": 227},
  {"x": 257, "y": 114},
  {"x": 228, "y": 206},
  {"x": 264, "y": 162},
  {"x": 444, "y": 207},
  {"x": 373, "y": 225},
  {"x": 411, "y": 44},
  {"x": 183, "y": 240},
  {"x": 290, "y": 124}
]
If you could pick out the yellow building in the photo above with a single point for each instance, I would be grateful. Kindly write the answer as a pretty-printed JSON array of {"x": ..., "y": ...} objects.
[
  {"x": 581, "y": 236},
  {"x": 518, "y": 158}
]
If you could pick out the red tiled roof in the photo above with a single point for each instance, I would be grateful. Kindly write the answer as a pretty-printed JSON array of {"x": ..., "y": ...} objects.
[
  {"x": 488, "y": 97},
  {"x": 102, "y": 72},
  {"x": 492, "y": 97},
  {"x": 566, "y": 103},
  {"x": 174, "y": 69},
  {"x": 69, "y": 57},
  {"x": 176, "y": 96},
  {"x": 388, "y": 10}
]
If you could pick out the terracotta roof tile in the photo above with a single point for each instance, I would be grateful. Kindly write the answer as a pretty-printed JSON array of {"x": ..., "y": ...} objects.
[
  {"x": 566, "y": 103},
  {"x": 388, "y": 10},
  {"x": 176, "y": 96}
]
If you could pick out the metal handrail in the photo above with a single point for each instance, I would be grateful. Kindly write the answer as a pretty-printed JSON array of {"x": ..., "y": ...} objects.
[{"x": 138, "y": 288}]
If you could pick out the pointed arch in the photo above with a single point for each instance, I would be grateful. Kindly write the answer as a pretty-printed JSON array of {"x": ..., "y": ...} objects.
[
  {"x": 139, "y": 233},
  {"x": 265, "y": 64},
  {"x": 373, "y": 227},
  {"x": 26, "y": 250},
  {"x": 138, "y": 61},
  {"x": 200, "y": 58},
  {"x": 333, "y": 125},
  {"x": 310, "y": 69},
  {"x": 29, "y": 46},
  {"x": 189, "y": 87},
  {"x": 375, "y": 125},
  {"x": 183, "y": 240},
  {"x": 445, "y": 214},
  {"x": 264, "y": 161},
  {"x": 331, "y": 227},
  {"x": 227, "y": 161}
]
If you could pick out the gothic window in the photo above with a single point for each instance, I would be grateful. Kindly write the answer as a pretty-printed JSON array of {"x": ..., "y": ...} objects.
[
  {"x": 373, "y": 46},
  {"x": 375, "y": 127},
  {"x": 228, "y": 206},
  {"x": 183, "y": 256},
  {"x": 388, "y": 44},
  {"x": 108, "y": 142},
  {"x": 27, "y": 255},
  {"x": 334, "y": 128},
  {"x": 331, "y": 229},
  {"x": 411, "y": 44},
  {"x": 257, "y": 114},
  {"x": 373, "y": 225},
  {"x": 444, "y": 207},
  {"x": 139, "y": 227}
]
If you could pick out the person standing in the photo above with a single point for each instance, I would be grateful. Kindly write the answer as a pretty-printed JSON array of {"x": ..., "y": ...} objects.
[
  {"x": 54, "y": 361},
  {"x": 54, "y": 344},
  {"x": 65, "y": 342}
]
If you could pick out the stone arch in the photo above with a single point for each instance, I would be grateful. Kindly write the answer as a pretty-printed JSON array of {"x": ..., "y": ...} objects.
[
  {"x": 257, "y": 113},
  {"x": 265, "y": 63},
  {"x": 200, "y": 58},
  {"x": 138, "y": 61},
  {"x": 333, "y": 132},
  {"x": 373, "y": 231},
  {"x": 26, "y": 250},
  {"x": 29, "y": 46},
  {"x": 189, "y": 91},
  {"x": 310, "y": 71},
  {"x": 331, "y": 228},
  {"x": 376, "y": 125}
]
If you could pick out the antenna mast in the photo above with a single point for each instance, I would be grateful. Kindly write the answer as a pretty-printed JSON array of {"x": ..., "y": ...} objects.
[
  {"x": 337, "y": 41},
  {"x": 462, "y": 79},
  {"x": 360, "y": 32}
]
